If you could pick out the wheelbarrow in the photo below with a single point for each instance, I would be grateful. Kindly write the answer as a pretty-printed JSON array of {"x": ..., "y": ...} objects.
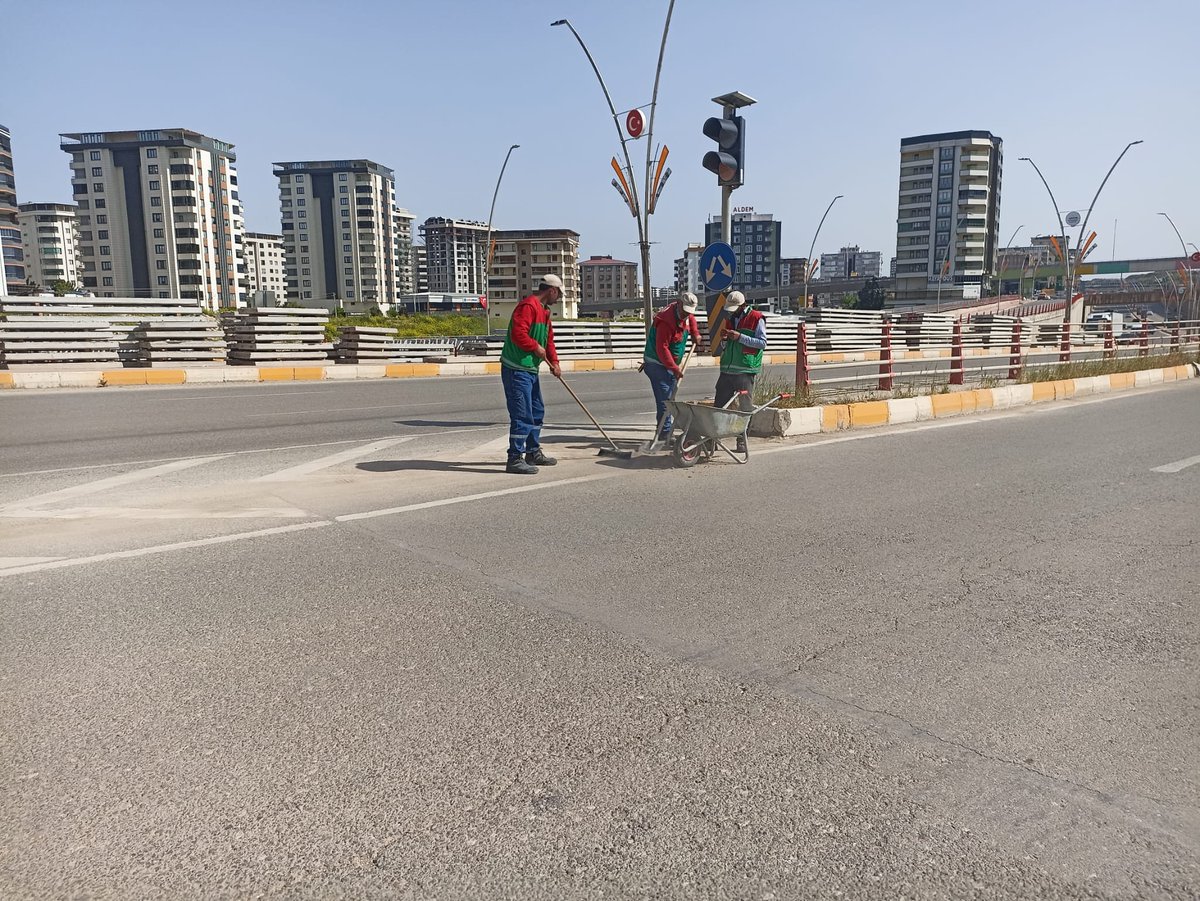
[{"x": 699, "y": 430}]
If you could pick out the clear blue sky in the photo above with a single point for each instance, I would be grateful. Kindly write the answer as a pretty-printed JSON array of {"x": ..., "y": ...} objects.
[{"x": 438, "y": 89}]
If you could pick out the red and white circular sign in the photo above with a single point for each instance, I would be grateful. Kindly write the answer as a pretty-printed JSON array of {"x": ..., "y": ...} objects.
[
  {"x": 635, "y": 123},
  {"x": 1196, "y": 257}
]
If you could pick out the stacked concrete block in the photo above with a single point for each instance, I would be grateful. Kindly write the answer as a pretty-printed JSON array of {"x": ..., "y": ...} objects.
[
  {"x": 277, "y": 335},
  {"x": 358, "y": 344},
  {"x": 181, "y": 339},
  {"x": 39, "y": 340}
]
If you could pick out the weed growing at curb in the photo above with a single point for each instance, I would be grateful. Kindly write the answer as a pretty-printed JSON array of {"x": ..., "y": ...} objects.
[{"x": 1089, "y": 368}]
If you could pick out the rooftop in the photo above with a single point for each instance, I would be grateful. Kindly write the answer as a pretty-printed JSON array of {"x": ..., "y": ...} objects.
[
  {"x": 332, "y": 166},
  {"x": 948, "y": 136}
]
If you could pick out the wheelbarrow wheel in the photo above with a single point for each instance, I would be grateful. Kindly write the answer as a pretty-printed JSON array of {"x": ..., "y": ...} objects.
[{"x": 687, "y": 454}]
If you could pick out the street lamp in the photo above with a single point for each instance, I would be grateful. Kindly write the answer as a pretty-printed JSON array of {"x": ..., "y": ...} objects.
[
  {"x": 1063, "y": 230},
  {"x": 1182, "y": 244},
  {"x": 641, "y": 211},
  {"x": 1008, "y": 244},
  {"x": 487, "y": 266},
  {"x": 808, "y": 261},
  {"x": 945, "y": 255}
]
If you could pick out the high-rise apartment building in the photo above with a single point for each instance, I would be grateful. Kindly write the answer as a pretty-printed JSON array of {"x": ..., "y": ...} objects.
[
  {"x": 949, "y": 207},
  {"x": 159, "y": 215},
  {"x": 791, "y": 270},
  {"x": 850, "y": 262},
  {"x": 11, "y": 250},
  {"x": 265, "y": 284},
  {"x": 405, "y": 261},
  {"x": 49, "y": 234},
  {"x": 756, "y": 240},
  {"x": 603, "y": 278},
  {"x": 687, "y": 270},
  {"x": 455, "y": 255},
  {"x": 420, "y": 260},
  {"x": 521, "y": 258},
  {"x": 339, "y": 238}
]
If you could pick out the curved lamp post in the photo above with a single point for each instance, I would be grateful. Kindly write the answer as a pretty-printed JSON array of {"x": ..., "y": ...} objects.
[
  {"x": 487, "y": 266},
  {"x": 1067, "y": 263},
  {"x": 1007, "y": 245},
  {"x": 1182, "y": 244},
  {"x": 808, "y": 261},
  {"x": 641, "y": 209}
]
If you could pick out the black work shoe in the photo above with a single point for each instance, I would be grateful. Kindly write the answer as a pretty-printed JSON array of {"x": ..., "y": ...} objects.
[
  {"x": 741, "y": 446},
  {"x": 537, "y": 458},
  {"x": 520, "y": 467}
]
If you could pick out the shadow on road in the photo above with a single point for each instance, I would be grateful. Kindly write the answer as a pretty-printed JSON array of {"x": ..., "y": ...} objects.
[
  {"x": 444, "y": 423},
  {"x": 487, "y": 467}
]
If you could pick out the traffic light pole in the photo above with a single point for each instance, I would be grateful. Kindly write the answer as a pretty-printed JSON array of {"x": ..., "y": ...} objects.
[{"x": 726, "y": 220}]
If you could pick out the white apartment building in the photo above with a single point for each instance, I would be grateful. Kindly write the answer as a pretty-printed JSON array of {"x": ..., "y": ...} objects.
[
  {"x": 265, "y": 284},
  {"x": 687, "y": 270},
  {"x": 339, "y": 236},
  {"x": 420, "y": 262},
  {"x": 455, "y": 255},
  {"x": 522, "y": 257},
  {"x": 405, "y": 262},
  {"x": 12, "y": 262},
  {"x": 158, "y": 215},
  {"x": 949, "y": 207},
  {"x": 49, "y": 235}
]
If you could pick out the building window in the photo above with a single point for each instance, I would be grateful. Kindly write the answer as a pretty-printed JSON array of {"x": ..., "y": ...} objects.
[
  {"x": 151, "y": 152},
  {"x": 162, "y": 279},
  {"x": 107, "y": 280},
  {"x": 156, "y": 201},
  {"x": 349, "y": 283},
  {"x": 342, "y": 189},
  {"x": 160, "y": 264},
  {"x": 341, "y": 176},
  {"x": 156, "y": 217},
  {"x": 106, "y": 265},
  {"x": 152, "y": 169},
  {"x": 947, "y": 166},
  {"x": 97, "y": 172},
  {"x": 98, "y": 187},
  {"x": 300, "y": 214},
  {"x": 158, "y": 233},
  {"x": 307, "y": 283},
  {"x": 300, "y": 202},
  {"x": 306, "y": 271},
  {"x": 347, "y": 259},
  {"x": 946, "y": 153},
  {"x": 348, "y": 271},
  {"x": 160, "y": 248},
  {"x": 95, "y": 154},
  {"x": 102, "y": 234},
  {"x": 346, "y": 237},
  {"x": 105, "y": 250},
  {"x": 344, "y": 201},
  {"x": 346, "y": 248},
  {"x": 155, "y": 186}
]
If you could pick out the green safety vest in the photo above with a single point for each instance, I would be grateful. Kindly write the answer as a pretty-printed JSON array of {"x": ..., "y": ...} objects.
[
  {"x": 515, "y": 358},
  {"x": 737, "y": 357}
]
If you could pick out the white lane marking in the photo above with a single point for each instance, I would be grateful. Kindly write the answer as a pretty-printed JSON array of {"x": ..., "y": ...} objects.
[
  {"x": 264, "y": 394},
  {"x": 1177, "y": 466},
  {"x": 162, "y": 548},
  {"x": 8, "y": 562},
  {"x": 463, "y": 499},
  {"x": 281, "y": 530},
  {"x": 126, "y": 478},
  {"x": 259, "y": 450},
  {"x": 304, "y": 469},
  {"x": 152, "y": 513}
]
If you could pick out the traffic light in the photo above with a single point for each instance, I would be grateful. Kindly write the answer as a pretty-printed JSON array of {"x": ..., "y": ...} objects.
[{"x": 726, "y": 162}]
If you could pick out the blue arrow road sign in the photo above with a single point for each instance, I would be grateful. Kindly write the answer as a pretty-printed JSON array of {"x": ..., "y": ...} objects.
[{"x": 717, "y": 265}]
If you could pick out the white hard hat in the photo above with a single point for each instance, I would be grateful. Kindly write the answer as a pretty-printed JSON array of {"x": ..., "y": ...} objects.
[
  {"x": 688, "y": 302},
  {"x": 734, "y": 301}
]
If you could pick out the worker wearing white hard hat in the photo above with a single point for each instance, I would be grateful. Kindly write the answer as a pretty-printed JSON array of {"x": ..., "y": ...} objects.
[
  {"x": 744, "y": 337},
  {"x": 666, "y": 346}
]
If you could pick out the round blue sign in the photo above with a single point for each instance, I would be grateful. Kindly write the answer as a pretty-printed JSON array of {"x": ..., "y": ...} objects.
[{"x": 718, "y": 264}]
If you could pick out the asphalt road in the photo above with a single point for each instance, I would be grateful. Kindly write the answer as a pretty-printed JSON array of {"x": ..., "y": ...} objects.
[{"x": 310, "y": 642}]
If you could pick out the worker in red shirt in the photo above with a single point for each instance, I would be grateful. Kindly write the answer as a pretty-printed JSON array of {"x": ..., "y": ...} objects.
[
  {"x": 666, "y": 344},
  {"x": 530, "y": 340}
]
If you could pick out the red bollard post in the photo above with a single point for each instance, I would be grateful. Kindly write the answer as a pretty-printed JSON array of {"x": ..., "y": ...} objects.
[
  {"x": 1014, "y": 352},
  {"x": 1110, "y": 346},
  {"x": 1144, "y": 340},
  {"x": 885, "y": 357},
  {"x": 803, "y": 373},
  {"x": 1064, "y": 346},
  {"x": 956, "y": 356}
]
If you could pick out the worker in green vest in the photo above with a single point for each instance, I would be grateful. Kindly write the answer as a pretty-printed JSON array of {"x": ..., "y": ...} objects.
[
  {"x": 742, "y": 342},
  {"x": 529, "y": 343}
]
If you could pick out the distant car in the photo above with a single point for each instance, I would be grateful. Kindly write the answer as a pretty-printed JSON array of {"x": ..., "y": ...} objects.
[{"x": 475, "y": 346}]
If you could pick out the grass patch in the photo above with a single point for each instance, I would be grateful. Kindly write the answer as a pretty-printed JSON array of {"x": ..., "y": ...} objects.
[
  {"x": 1087, "y": 368},
  {"x": 416, "y": 325}
]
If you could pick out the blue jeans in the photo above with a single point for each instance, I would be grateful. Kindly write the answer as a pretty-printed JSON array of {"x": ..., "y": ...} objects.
[
  {"x": 662, "y": 383},
  {"x": 523, "y": 394}
]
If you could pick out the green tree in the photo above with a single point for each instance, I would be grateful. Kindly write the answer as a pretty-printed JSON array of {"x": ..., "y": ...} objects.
[
  {"x": 871, "y": 296},
  {"x": 60, "y": 288},
  {"x": 850, "y": 300}
]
